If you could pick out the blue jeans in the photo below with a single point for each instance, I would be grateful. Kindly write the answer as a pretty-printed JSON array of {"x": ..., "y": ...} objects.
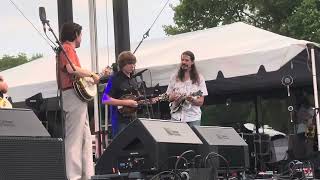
[
  {"x": 191, "y": 123},
  {"x": 121, "y": 127}
]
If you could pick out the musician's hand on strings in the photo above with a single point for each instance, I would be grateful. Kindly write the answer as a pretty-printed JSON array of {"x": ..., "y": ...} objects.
[
  {"x": 174, "y": 96},
  {"x": 191, "y": 99},
  {"x": 153, "y": 100},
  {"x": 95, "y": 78},
  {"x": 131, "y": 103}
]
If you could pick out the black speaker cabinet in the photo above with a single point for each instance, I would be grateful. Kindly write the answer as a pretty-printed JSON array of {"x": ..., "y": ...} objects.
[
  {"x": 21, "y": 122},
  {"x": 226, "y": 142},
  {"x": 26, "y": 150},
  {"x": 147, "y": 145},
  {"x": 29, "y": 158}
]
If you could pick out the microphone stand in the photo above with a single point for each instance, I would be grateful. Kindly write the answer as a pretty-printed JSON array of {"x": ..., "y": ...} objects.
[
  {"x": 58, "y": 50},
  {"x": 145, "y": 95}
]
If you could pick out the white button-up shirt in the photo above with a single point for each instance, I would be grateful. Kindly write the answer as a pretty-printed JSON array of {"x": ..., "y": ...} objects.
[{"x": 188, "y": 112}]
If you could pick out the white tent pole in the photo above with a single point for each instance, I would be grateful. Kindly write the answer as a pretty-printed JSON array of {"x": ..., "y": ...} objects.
[
  {"x": 315, "y": 93},
  {"x": 95, "y": 64}
]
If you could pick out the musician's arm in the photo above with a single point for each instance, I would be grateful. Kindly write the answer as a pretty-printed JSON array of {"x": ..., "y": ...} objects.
[
  {"x": 196, "y": 101},
  {"x": 173, "y": 96},
  {"x": 119, "y": 102},
  {"x": 72, "y": 58},
  {"x": 80, "y": 72}
]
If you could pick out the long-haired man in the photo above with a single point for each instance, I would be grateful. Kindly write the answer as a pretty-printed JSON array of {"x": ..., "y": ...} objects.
[{"x": 186, "y": 90}]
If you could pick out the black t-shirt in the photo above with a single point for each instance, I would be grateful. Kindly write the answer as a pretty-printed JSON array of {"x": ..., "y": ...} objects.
[{"x": 120, "y": 84}]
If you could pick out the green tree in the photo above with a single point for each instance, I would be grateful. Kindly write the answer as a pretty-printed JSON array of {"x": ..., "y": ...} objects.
[
  {"x": 10, "y": 61},
  {"x": 304, "y": 22},
  {"x": 295, "y": 18}
]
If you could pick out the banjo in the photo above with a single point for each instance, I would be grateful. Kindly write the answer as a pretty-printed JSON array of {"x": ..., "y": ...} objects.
[{"x": 85, "y": 87}]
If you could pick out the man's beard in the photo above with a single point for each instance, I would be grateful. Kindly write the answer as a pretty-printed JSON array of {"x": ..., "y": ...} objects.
[
  {"x": 183, "y": 70},
  {"x": 184, "y": 67}
]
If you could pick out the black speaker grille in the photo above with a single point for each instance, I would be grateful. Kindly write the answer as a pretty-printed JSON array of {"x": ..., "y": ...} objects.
[{"x": 31, "y": 158}]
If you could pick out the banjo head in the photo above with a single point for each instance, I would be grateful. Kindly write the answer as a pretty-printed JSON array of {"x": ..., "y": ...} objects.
[{"x": 89, "y": 86}]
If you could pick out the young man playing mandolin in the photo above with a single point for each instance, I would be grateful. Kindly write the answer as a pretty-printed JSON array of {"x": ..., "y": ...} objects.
[
  {"x": 121, "y": 84},
  {"x": 186, "y": 91},
  {"x": 78, "y": 143}
]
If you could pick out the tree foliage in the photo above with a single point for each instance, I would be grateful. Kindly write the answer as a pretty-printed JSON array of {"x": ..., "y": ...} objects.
[
  {"x": 295, "y": 18},
  {"x": 10, "y": 61},
  {"x": 304, "y": 23}
]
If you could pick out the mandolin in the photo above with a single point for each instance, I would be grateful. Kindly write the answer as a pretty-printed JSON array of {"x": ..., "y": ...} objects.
[
  {"x": 176, "y": 106},
  {"x": 126, "y": 110}
]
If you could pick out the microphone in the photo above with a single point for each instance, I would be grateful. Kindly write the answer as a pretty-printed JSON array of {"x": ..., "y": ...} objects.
[
  {"x": 43, "y": 17},
  {"x": 138, "y": 73}
]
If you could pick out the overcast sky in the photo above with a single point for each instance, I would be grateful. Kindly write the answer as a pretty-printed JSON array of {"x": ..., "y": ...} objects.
[{"x": 18, "y": 35}]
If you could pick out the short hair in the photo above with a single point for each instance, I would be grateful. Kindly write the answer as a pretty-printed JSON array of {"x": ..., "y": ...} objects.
[
  {"x": 190, "y": 54},
  {"x": 126, "y": 57},
  {"x": 70, "y": 31}
]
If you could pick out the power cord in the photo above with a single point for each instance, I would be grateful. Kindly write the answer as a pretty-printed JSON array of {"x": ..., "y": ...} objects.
[
  {"x": 194, "y": 161},
  {"x": 171, "y": 157},
  {"x": 166, "y": 172},
  {"x": 224, "y": 159},
  {"x": 181, "y": 156}
]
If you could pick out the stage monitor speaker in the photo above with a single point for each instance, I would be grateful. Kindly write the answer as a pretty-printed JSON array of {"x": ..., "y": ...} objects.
[
  {"x": 226, "y": 142},
  {"x": 147, "y": 145},
  {"x": 21, "y": 122},
  {"x": 33, "y": 158}
]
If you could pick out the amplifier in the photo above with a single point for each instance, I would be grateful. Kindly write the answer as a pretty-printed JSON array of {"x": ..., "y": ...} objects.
[
  {"x": 31, "y": 158},
  {"x": 21, "y": 122},
  {"x": 226, "y": 142},
  {"x": 147, "y": 145}
]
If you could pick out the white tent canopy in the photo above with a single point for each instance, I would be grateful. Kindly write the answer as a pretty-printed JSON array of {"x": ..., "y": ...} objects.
[{"x": 237, "y": 49}]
